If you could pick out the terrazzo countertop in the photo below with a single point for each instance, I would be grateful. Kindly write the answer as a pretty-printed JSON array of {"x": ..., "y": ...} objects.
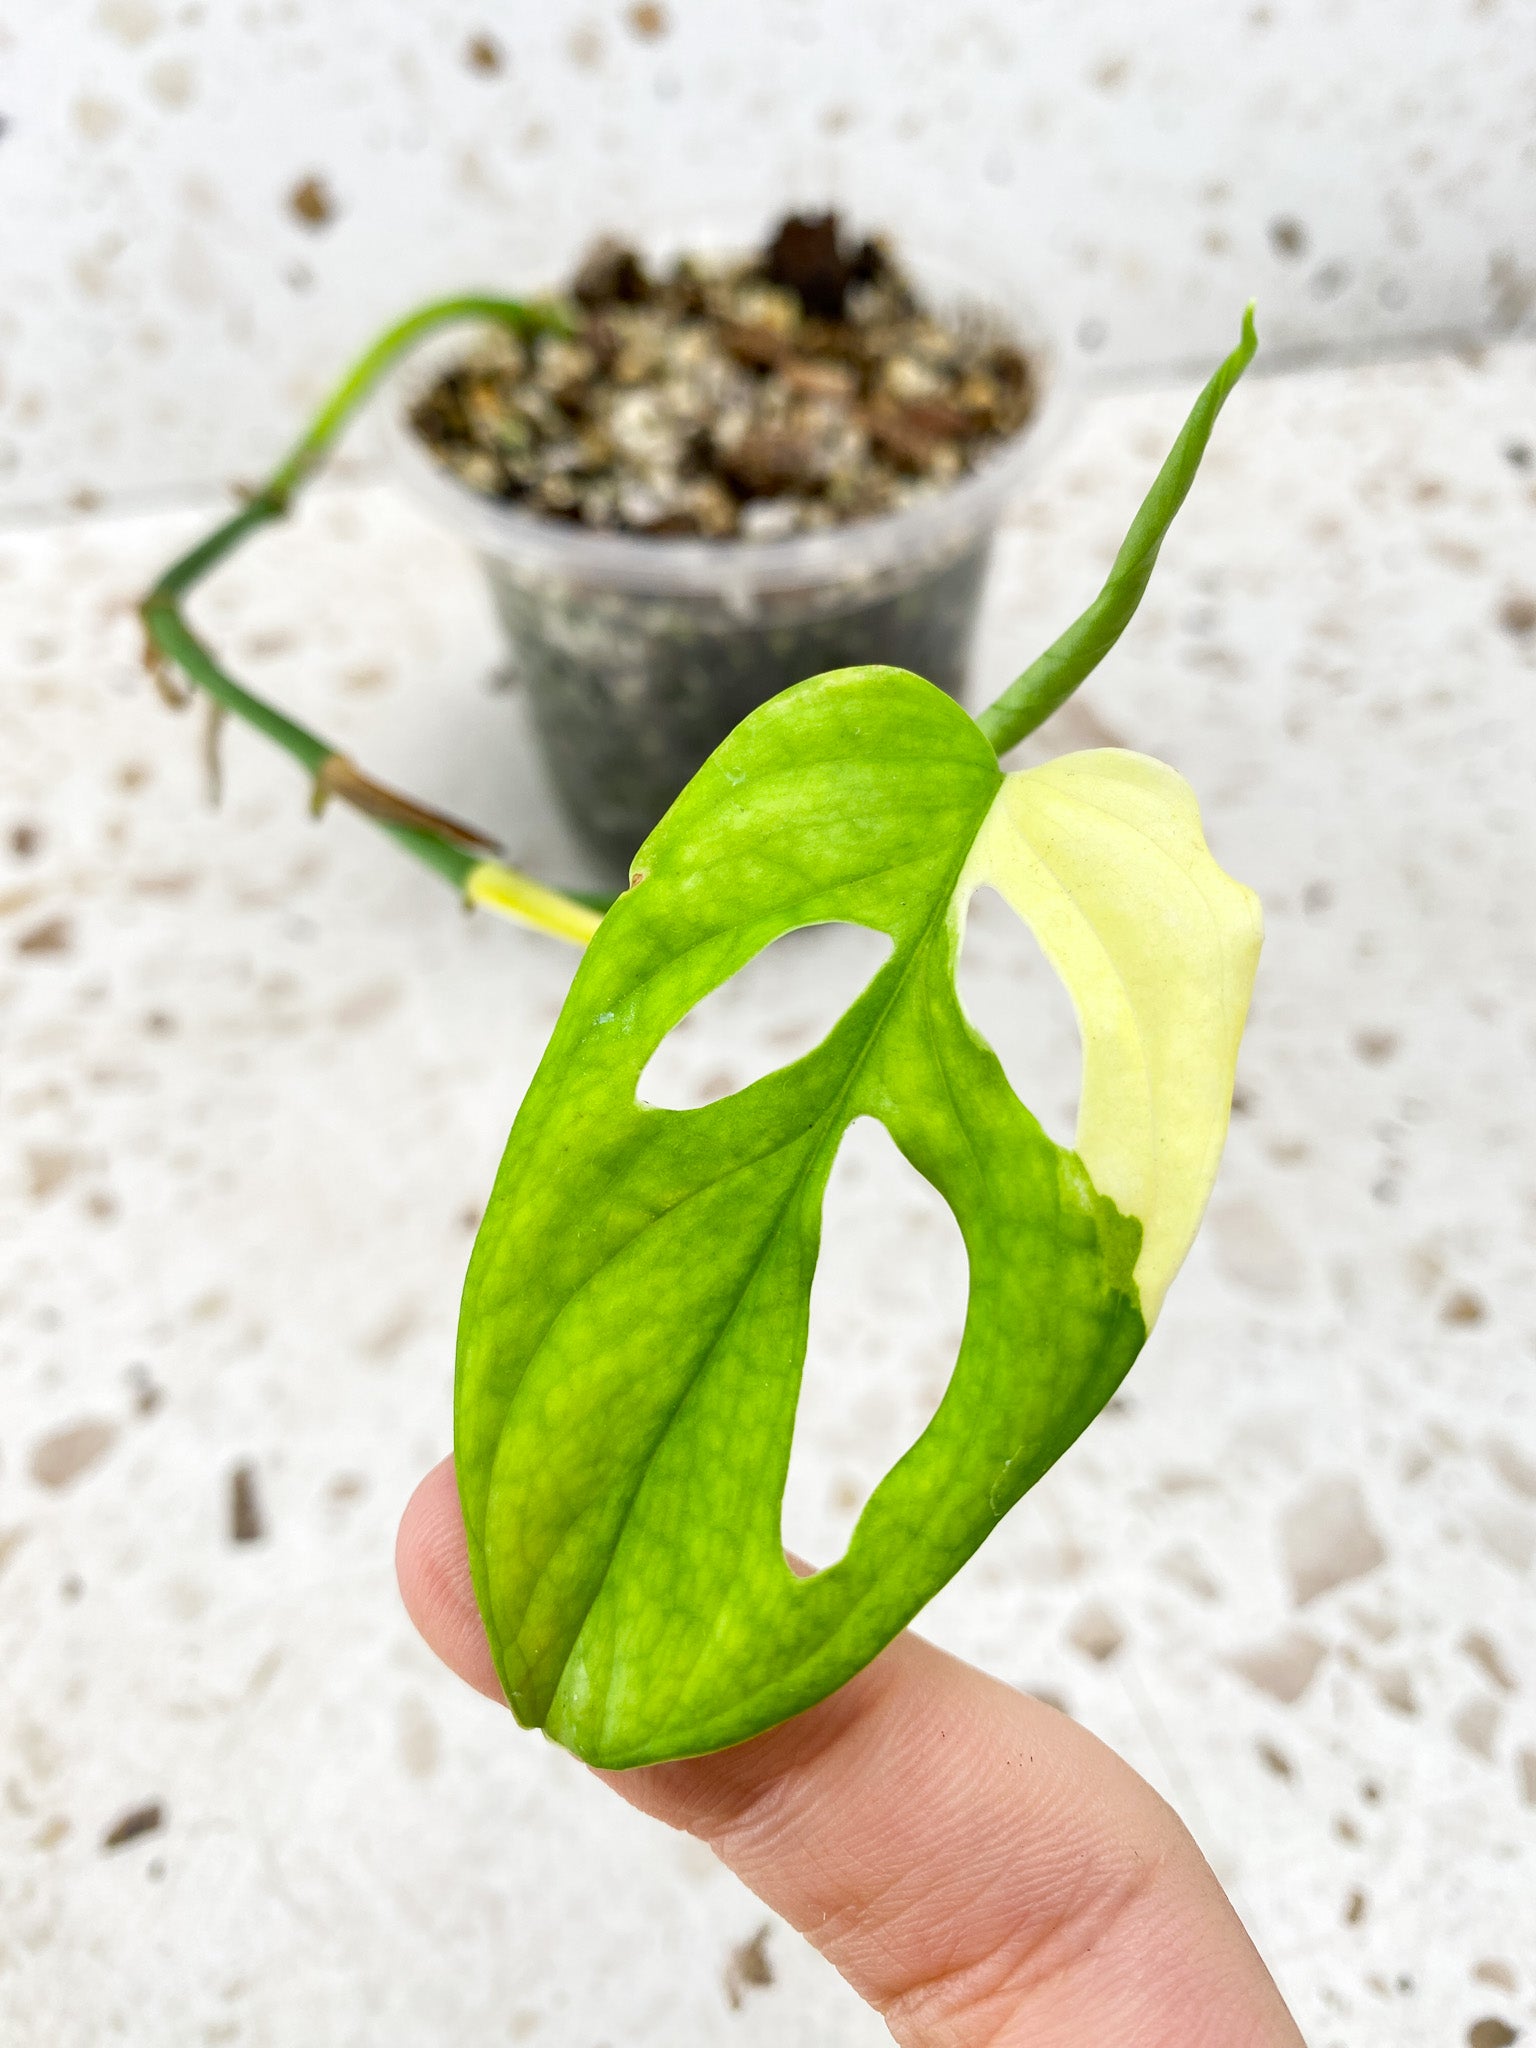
[{"x": 255, "y": 1074}]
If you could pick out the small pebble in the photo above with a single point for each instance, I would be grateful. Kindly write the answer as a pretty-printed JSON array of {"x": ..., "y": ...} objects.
[
  {"x": 138, "y": 1820},
  {"x": 245, "y": 1518},
  {"x": 748, "y": 1968},
  {"x": 1491, "y": 2033}
]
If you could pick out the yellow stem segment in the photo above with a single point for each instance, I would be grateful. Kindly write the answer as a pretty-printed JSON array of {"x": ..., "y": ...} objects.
[{"x": 527, "y": 902}]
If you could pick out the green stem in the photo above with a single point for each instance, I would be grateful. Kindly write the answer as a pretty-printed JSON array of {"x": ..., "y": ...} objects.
[
  {"x": 1050, "y": 680},
  {"x": 434, "y": 841},
  {"x": 174, "y": 638},
  {"x": 524, "y": 319}
]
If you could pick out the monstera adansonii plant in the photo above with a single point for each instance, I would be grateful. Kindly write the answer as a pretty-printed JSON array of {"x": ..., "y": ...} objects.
[{"x": 635, "y": 1316}]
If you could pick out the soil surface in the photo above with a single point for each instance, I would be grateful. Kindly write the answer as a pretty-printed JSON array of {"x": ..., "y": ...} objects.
[{"x": 801, "y": 387}]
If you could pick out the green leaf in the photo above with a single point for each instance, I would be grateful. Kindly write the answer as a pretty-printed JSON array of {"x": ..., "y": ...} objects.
[{"x": 635, "y": 1316}]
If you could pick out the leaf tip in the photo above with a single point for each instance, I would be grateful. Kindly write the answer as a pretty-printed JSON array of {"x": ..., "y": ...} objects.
[{"x": 1249, "y": 343}]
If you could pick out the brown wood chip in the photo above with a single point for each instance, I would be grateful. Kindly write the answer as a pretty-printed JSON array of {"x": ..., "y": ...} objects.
[
  {"x": 758, "y": 348},
  {"x": 765, "y": 463},
  {"x": 808, "y": 379},
  {"x": 806, "y": 256},
  {"x": 896, "y": 434},
  {"x": 939, "y": 421}
]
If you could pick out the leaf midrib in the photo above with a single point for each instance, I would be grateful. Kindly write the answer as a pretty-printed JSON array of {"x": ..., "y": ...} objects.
[{"x": 898, "y": 968}]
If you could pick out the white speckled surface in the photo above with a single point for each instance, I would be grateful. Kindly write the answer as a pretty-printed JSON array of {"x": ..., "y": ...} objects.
[
  {"x": 250, "y": 1102},
  {"x": 1365, "y": 167}
]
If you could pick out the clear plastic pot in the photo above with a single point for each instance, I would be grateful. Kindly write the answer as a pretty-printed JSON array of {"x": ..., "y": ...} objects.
[{"x": 639, "y": 655}]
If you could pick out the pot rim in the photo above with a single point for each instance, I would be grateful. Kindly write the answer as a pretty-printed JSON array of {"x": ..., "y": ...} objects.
[{"x": 932, "y": 525}]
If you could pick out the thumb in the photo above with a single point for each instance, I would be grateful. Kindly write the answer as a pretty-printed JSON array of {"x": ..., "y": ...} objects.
[{"x": 980, "y": 1869}]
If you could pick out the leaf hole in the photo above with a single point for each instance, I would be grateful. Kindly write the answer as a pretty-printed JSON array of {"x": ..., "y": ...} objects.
[
  {"x": 887, "y": 1314},
  {"x": 1013, "y": 997},
  {"x": 768, "y": 1015}
]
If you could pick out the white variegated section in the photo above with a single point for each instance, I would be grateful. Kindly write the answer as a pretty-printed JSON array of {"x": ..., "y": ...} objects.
[{"x": 1103, "y": 856}]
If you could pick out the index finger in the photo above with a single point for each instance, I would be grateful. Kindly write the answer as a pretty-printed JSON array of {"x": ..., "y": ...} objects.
[{"x": 980, "y": 1869}]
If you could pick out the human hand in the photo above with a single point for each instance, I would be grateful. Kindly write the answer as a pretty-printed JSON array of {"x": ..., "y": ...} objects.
[{"x": 983, "y": 1871}]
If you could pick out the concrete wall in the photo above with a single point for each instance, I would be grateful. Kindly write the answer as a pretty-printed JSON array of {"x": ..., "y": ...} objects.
[{"x": 205, "y": 208}]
